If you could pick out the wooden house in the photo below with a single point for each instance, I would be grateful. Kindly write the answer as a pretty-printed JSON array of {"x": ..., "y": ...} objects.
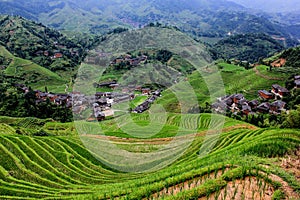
[
  {"x": 264, "y": 108},
  {"x": 279, "y": 91},
  {"x": 297, "y": 81},
  {"x": 146, "y": 91},
  {"x": 253, "y": 104},
  {"x": 246, "y": 109},
  {"x": 237, "y": 98},
  {"x": 265, "y": 94},
  {"x": 277, "y": 106}
]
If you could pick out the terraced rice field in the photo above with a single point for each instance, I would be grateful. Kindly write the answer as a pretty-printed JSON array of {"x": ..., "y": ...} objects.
[{"x": 242, "y": 165}]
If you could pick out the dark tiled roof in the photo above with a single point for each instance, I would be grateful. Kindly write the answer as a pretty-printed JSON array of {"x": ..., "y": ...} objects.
[
  {"x": 238, "y": 96},
  {"x": 253, "y": 102},
  {"x": 265, "y": 92},
  {"x": 278, "y": 104},
  {"x": 279, "y": 88},
  {"x": 246, "y": 107},
  {"x": 264, "y": 106}
]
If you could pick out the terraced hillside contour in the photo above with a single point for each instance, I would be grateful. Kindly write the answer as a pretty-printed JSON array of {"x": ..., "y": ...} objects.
[{"x": 244, "y": 164}]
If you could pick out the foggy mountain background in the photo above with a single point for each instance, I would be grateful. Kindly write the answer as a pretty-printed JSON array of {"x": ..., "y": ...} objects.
[{"x": 271, "y": 5}]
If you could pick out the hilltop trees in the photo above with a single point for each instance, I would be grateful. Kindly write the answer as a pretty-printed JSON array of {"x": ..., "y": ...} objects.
[{"x": 249, "y": 47}]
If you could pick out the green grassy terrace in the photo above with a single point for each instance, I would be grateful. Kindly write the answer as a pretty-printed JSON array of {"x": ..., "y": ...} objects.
[
  {"x": 58, "y": 166},
  {"x": 236, "y": 79}
]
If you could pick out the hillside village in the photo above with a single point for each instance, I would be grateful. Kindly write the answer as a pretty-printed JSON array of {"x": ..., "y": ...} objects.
[
  {"x": 128, "y": 59},
  {"x": 101, "y": 103},
  {"x": 269, "y": 102}
]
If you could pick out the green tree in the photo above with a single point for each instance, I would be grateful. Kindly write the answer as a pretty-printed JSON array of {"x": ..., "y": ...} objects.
[{"x": 292, "y": 119}]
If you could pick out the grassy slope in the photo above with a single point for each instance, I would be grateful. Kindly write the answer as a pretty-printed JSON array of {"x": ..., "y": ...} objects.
[
  {"x": 61, "y": 167},
  {"x": 34, "y": 75},
  {"x": 236, "y": 80},
  {"x": 5, "y": 53}
]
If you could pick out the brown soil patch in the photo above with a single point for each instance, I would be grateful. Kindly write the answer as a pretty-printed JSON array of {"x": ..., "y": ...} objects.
[
  {"x": 188, "y": 185},
  {"x": 288, "y": 190},
  {"x": 291, "y": 163},
  {"x": 278, "y": 63},
  {"x": 247, "y": 189}
]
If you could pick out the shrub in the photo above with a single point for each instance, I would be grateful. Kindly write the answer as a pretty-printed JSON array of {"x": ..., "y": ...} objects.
[
  {"x": 278, "y": 195},
  {"x": 41, "y": 133}
]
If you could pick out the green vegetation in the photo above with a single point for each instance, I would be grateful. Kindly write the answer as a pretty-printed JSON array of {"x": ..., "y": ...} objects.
[
  {"x": 225, "y": 67},
  {"x": 248, "y": 47},
  {"x": 290, "y": 55},
  {"x": 236, "y": 80},
  {"x": 35, "y": 42},
  {"x": 32, "y": 74},
  {"x": 278, "y": 195},
  {"x": 60, "y": 167},
  {"x": 20, "y": 71},
  {"x": 44, "y": 46},
  {"x": 42, "y": 158}
]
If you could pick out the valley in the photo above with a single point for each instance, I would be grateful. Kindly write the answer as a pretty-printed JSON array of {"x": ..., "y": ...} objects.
[{"x": 148, "y": 100}]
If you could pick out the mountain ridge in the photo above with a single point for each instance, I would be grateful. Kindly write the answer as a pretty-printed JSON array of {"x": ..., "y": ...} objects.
[{"x": 198, "y": 17}]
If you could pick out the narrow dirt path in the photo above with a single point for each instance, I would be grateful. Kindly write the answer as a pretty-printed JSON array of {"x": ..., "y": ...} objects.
[
  {"x": 291, "y": 163},
  {"x": 288, "y": 190},
  {"x": 169, "y": 61},
  {"x": 257, "y": 72},
  {"x": 161, "y": 141}
]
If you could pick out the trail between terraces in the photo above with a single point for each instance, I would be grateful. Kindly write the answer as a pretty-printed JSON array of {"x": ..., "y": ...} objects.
[
  {"x": 161, "y": 141},
  {"x": 257, "y": 72}
]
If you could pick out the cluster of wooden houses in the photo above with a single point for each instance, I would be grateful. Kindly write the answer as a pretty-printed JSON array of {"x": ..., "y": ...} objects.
[
  {"x": 58, "y": 52},
  {"x": 123, "y": 88},
  {"x": 146, "y": 104},
  {"x": 57, "y": 98},
  {"x": 100, "y": 103},
  {"x": 237, "y": 103},
  {"x": 104, "y": 100},
  {"x": 111, "y": 84},
  {"x": 54, "y": 55},
  {"x": 277, "y": 92},
  {"x": 128, "y": 59}
]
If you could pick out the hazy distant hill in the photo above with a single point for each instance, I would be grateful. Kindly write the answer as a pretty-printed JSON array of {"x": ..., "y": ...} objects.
[
  {"x": 271, "y": 5},
  {"x": 209, "y": 18}
]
